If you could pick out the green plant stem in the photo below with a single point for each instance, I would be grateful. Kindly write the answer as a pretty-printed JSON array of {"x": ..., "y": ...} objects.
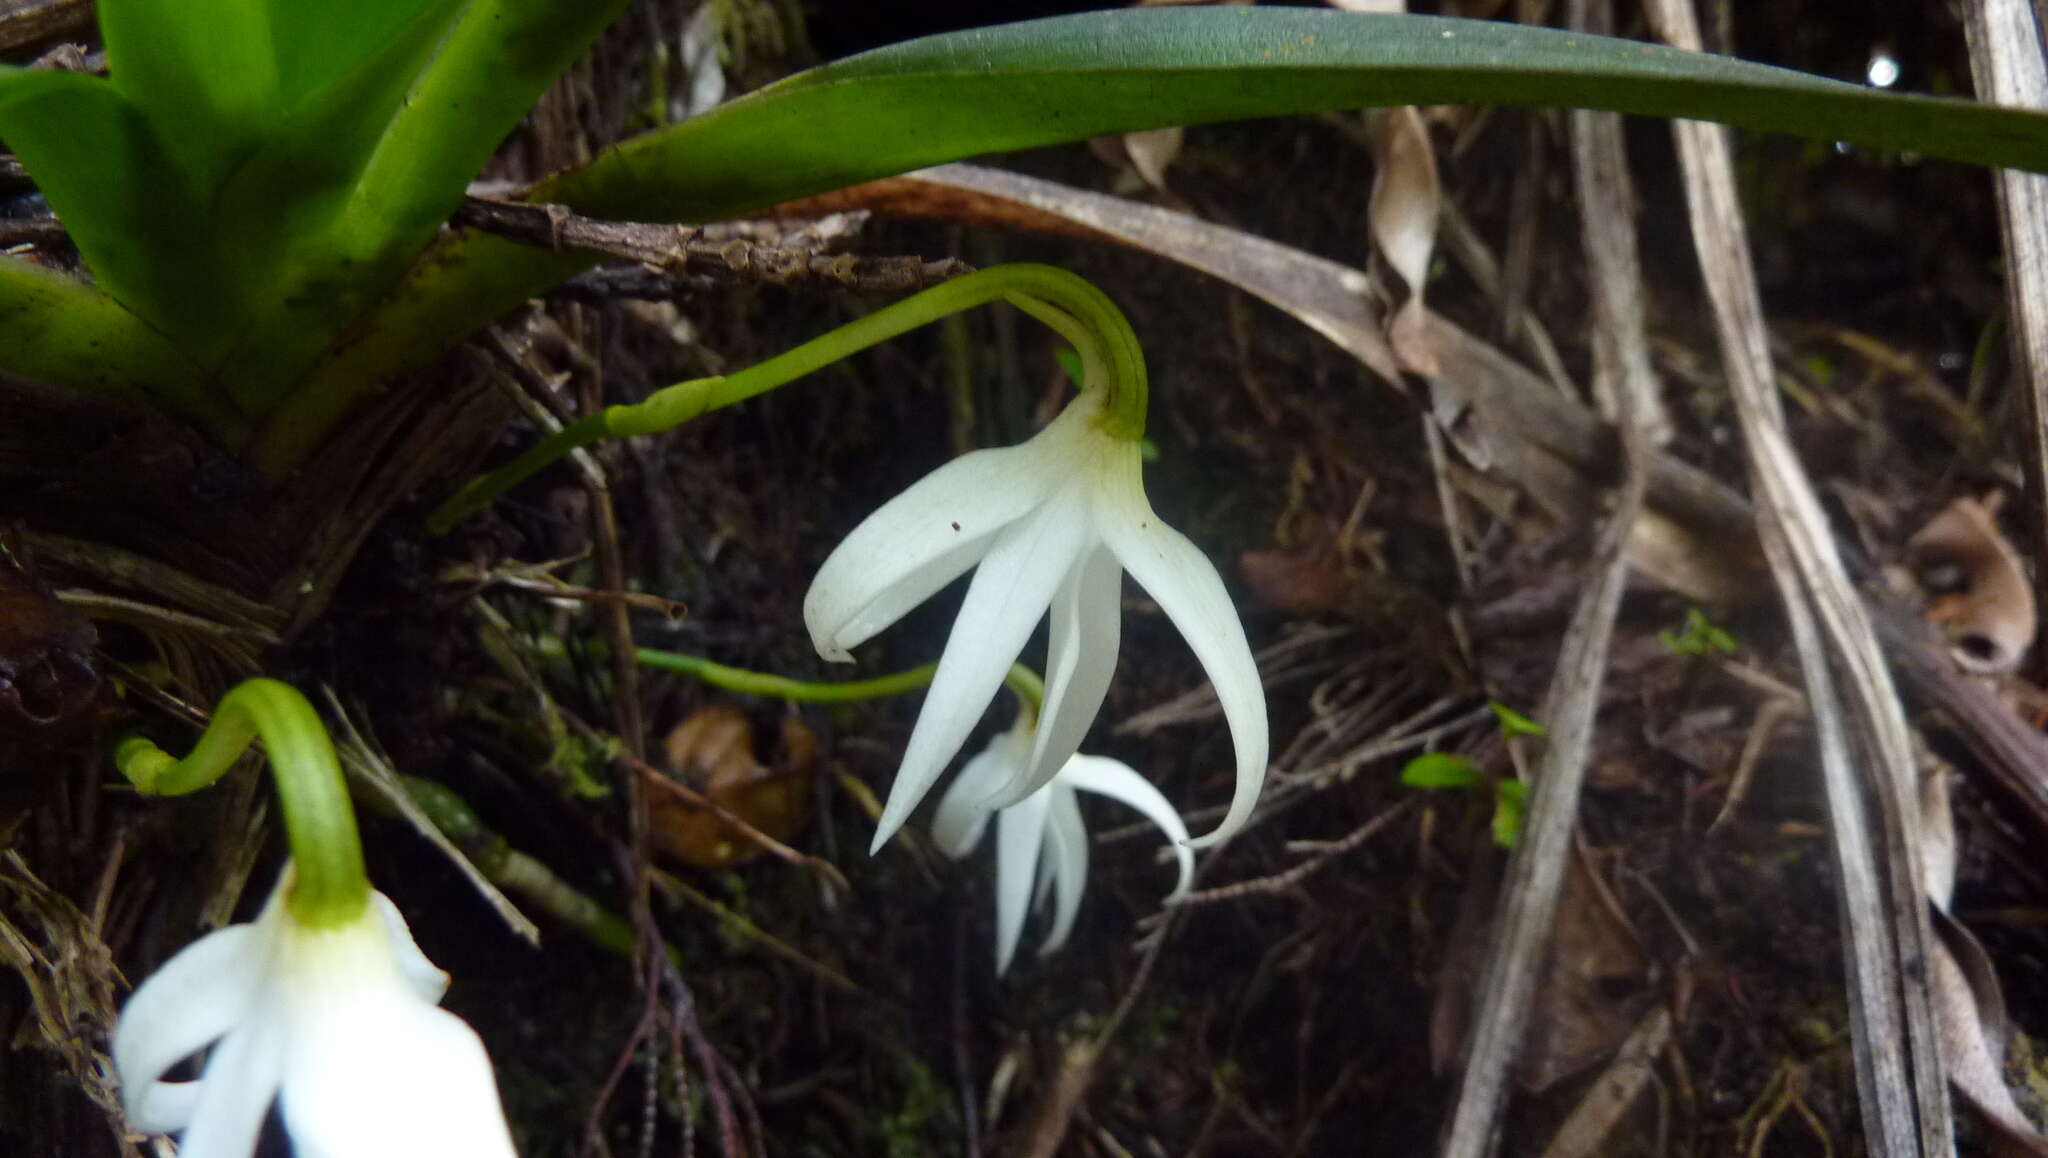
[
  {"x": 1027, "y": 684},
  {"x": 331, "y": 886},
  {"x": 510, "y": 869},
  {"x": 1077, "y": 310}
]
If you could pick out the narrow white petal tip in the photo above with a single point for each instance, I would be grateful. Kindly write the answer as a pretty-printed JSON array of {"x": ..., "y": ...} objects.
[
  {"x": 1185, "y": 584},
  {"x": 883, "y": 831},
  {"x": 1244, "y": 798}
]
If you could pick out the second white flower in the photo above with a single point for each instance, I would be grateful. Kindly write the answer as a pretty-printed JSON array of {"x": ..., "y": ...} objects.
[{"x": 1052, "y": 523}]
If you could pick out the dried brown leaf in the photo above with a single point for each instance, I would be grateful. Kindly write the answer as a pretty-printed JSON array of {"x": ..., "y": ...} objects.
[
  {"x": 1973, "y": 1060},
  {"x": 1980, "y": 593},
  {"x": 1151, "y": 151},
  {"x": 1407, "y": 201},
  {"x": 713, "y": 752},
  {"x": 1969, "y": 1004}
]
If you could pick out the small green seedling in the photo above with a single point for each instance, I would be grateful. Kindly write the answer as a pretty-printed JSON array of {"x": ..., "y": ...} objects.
[
  {"x": 1699, "y": 636},
  {"x": 1514, "y": 723},
  {"x": 1444, "y": 770}
]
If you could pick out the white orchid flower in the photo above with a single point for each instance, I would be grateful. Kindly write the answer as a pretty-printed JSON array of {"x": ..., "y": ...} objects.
[
  {"x": 1052, "y": 523},
  {"x": 1041, "y": 844},
  {"x": 340, "y": 1023}
]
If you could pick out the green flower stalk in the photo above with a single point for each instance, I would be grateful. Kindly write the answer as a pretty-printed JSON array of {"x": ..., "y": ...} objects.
[
  {"x": 320, "y": 823},
  {"x": 1082, "y": 314},
  {"x": 1027, "y": 684}
]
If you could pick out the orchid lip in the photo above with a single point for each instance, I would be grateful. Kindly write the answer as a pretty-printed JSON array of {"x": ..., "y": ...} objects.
[{"x": 1042, "y": 847}]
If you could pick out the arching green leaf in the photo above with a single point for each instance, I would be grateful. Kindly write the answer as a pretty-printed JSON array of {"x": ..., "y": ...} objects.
[
  {"x": 1043, "y": 82},
  {"x": 1023, "y": 85}
]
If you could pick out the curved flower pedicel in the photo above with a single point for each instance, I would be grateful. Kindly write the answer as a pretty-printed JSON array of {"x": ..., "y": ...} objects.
[
  {"x": 1052, "y": 523},
  {"x": 1041, "y": 844},
  {"x": 340, "y": 1024}
]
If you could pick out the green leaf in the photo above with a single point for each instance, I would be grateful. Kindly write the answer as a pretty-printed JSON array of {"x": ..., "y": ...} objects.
[
  {"x": 337, "y": 103},
  {"x": 202, "y": 73},
  {"x": 1510, "y": 804},
  {"x": 318, "y": 43},
  {"x": 57, "y": 330},
  {"x": 476, "y": 84},
  {"x": 313, "y": 176},
  {"x": 1044, "y": 82},
  {"x": 1069, "y": 78},
  {"x": 123, "y": 199},
  {"x": 309, "y": 260},
  {"x": 1441, "y": 770},
  {"x": 1514, "y": 723},
  {"x": 449, "y": 292},
  {"x": 494, "y": 64}
]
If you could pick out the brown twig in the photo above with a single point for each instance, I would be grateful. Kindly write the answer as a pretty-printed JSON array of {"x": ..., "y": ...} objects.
[
  {"x": 1280, "y": 881},
  {"x": 534, "y": 580},
  {"x": 683, "y": 252},
  {"x": 675, "y": 889},
  {"x": 1774, "y": 711},
  {"x": 683, "y": 1011}
]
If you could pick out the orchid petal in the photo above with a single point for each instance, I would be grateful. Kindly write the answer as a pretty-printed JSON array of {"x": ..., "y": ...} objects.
[
  {"x": 927, "y": 536},
  {"x": 1004, "y": 603},
  {"x": 196, "y": 998},
  {"x": 884, "y": 605},
  {"x": 349, "y": 1092},
  {"x": 234, "y": 1095},
  {"x": 961, "y": 817},
  {"x": 428, "y": 980},
  {"x": 1186, "y": 586},
  {"x": 1080, "y": 659},
  {"x": 1121, "y": 783},
  {"x": 1067, "y": 842},
  {"x": 1048, "y": 863},
  {"x": 337, "y": 1022},
  {"x": 1019, "y": 831}
]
